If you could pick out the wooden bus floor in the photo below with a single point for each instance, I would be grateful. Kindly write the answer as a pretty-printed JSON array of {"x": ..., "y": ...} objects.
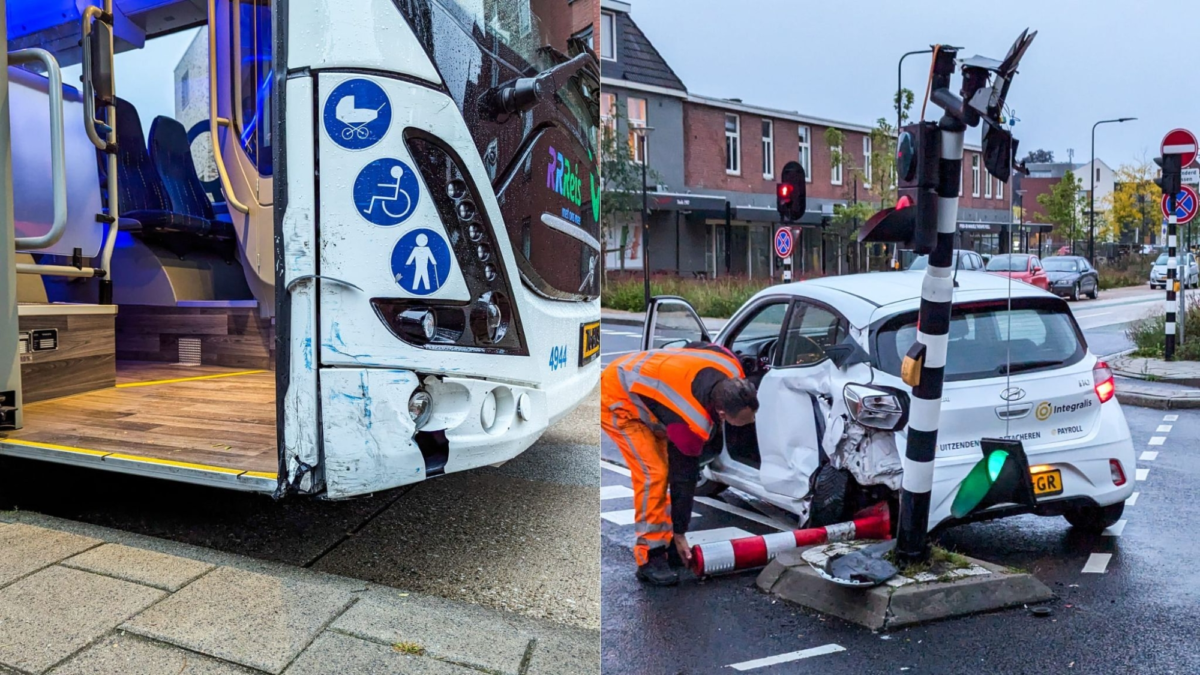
[{"x": 206, "y": 415}]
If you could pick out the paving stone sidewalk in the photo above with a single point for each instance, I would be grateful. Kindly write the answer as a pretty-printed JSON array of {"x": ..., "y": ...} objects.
[
  {"x": 1155, "y": 383},
  {"x": 78, "y": 599}
]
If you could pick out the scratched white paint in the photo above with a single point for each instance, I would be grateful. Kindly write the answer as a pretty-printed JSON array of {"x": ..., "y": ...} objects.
[
  {"x": 349, "y": 335},
  {"x": 300, "y": 416},
  {"x": 355, "y": 34},
  {"x": 368, "y": 433}
]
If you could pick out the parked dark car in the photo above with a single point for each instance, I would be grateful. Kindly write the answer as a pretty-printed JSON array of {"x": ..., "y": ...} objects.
[{"x": 1071, "y": 276}]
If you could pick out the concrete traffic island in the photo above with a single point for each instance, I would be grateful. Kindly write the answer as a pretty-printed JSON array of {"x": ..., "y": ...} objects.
[{"x": 974, "y": 586}]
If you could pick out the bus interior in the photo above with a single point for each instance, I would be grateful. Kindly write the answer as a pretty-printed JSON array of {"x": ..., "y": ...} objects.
[{"x": 145, "y": 295}]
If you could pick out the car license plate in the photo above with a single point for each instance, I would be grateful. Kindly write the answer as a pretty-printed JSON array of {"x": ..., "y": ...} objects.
[
  {"x": 1047, "y": 483},
  {"x": 589, "y": 342}
]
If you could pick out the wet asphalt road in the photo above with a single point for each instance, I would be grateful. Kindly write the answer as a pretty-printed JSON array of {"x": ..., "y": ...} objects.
[
  {"x": 523, "y": 537},
  {"x": 1141, "y": 615}
]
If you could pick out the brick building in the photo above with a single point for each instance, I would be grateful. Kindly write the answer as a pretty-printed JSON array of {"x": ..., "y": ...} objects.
[{"x": 716, "y": 162}]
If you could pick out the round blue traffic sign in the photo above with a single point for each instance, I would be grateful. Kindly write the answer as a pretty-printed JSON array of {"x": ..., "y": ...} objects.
[
  {"x": 1186, "y": 204},
  {"x": 421, "y": 261},
  {"x": 386, "y": 191},
  {"x": 357, "y": 114},
  {"x": 783, "y": 242}
]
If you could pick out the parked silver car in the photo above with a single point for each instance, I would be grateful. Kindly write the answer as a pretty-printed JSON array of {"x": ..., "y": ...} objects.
[{"x": 1188, "y": 272}]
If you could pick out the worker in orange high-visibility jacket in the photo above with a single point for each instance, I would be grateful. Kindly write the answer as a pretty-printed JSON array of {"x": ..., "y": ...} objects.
[{"x": 664, "y": 408}]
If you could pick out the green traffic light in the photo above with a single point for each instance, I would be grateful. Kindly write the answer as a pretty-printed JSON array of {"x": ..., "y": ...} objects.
[{"x": 995, "y": 463}]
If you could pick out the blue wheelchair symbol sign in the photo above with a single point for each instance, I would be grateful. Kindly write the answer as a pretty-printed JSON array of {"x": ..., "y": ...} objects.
[
  {"x": 421, "y": 261},
  {"x": 357, "y": 114},
  {"x": 386, "y": 192}
]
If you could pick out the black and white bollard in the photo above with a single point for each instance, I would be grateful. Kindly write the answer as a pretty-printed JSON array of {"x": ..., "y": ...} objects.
[{"x": 928, "y": 354}]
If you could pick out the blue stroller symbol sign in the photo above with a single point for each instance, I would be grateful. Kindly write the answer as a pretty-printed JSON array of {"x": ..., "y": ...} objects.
[
  {"x": 386, "y": 192},
  {"x": 357, "y": 114},
  {"x": 421, "y": 261}
]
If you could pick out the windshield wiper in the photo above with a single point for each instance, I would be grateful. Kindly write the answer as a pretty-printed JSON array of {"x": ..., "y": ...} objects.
[
  {"x": 526, "y": 92},
  {"x": 1004, "y": 368}
]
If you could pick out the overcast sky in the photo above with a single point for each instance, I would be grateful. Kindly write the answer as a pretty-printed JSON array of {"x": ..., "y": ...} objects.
[{"x": 1092, "y": 60}]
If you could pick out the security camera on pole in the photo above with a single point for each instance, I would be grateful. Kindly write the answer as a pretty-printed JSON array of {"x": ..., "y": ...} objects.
[
  {"x": 929, "y": 166},
  {"x": 1178, "y": 151}
]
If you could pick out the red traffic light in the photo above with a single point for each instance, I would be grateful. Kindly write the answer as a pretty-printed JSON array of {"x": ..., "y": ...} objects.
[
  {"x": 904, "y": 202},
  {"x": 784, "y": 190}
]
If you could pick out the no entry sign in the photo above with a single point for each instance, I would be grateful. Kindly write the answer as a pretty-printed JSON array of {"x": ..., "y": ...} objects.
[
  {"x": 1186, "y": 203},
  {"x": 783, "y": 242},
  {"x": 1180, "y": 142}
]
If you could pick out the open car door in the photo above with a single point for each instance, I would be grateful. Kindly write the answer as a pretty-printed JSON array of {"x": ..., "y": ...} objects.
[{"x": 672, "y": 322}]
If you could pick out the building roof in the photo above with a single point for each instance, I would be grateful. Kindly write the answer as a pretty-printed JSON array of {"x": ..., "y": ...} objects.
[{"x": 637, "y": 60}]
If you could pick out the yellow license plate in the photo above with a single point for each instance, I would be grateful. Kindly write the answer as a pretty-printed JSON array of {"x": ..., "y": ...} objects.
[
  {"x": 589, "y": 342},
  {"x": 1047, "y": 483}
]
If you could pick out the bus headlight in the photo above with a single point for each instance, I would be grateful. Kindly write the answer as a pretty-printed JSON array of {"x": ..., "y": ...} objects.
[
  {"x": 420, "y": 408},
  {"x": 418, "y": 325}
]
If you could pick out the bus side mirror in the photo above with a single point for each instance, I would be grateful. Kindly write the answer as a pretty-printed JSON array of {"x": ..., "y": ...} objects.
[{"x": 101, "y": 45}]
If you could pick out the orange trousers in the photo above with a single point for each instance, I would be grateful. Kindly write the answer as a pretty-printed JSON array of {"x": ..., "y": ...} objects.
[{"x": 645, "y": 454}]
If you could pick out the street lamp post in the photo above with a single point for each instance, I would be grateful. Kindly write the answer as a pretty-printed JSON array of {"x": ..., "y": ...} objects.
[
  {"x": 643, "y": 133},
  {"x": 1092, "y": 192}
]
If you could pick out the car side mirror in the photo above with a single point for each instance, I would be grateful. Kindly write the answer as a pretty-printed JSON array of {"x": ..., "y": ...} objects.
[{"x": 674, "y": 344}]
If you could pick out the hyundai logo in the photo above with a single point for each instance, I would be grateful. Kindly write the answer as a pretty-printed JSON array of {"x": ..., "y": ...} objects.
[{"x": 1013, "y": 394}]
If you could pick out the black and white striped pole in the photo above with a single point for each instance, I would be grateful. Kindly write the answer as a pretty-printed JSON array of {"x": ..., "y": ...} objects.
[
  {"x": 1178, "y": 150},
  {"x": 928, "y": 353},
  {"x": 929, "y": 167},
  {"x": 1172, "y": 266}
]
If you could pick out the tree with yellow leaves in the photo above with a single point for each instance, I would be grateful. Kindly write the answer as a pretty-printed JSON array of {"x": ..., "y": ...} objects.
[{"x": 1133, "y": 205}]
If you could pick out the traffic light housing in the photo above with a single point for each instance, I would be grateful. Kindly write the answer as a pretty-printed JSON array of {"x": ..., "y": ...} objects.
[
  {"x": 1172, "y": 173},
  {"x": 790, "y": 197},
  {"x": 1001, "y": 477},
  {"x": 913, "y": 221}
]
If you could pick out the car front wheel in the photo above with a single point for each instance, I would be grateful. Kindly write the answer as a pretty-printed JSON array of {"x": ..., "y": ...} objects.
[
  {"x": 1075, "y": 292},
  {"x": 1094, "y": 519}
]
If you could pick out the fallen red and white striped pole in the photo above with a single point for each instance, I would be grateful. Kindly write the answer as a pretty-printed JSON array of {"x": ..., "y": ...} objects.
[{"x": 721, "y": 557}]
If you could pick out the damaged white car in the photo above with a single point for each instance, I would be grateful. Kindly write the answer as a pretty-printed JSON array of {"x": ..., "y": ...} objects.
[{"x": 826, "y": 357}]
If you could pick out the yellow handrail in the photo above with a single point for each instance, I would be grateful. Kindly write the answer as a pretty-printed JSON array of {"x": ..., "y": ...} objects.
[{"x": 213, "y": 120}]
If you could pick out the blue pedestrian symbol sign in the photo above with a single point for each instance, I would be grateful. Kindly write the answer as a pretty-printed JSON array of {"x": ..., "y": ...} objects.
[
  {"x": 783, "y": 242},
  {"x": 357, "y": 114},
  {"x": 386, "y": 192},
  {"x": 421, "y": 261}
]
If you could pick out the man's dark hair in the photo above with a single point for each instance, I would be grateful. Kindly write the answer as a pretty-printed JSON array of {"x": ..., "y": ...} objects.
[{"x": 735, "y": 394}]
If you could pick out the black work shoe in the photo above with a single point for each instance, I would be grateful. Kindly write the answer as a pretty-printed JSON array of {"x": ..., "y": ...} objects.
[{"x": 657, "y": 571}]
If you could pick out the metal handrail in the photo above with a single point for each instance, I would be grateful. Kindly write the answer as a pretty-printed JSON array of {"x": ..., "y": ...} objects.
[
  {"x": 89, "y": 94},
  {"x": 214, "y": 122},
  {"x": 58, "y": 162}
]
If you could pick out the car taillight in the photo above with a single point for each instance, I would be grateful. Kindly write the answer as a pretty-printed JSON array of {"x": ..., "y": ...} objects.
[
  {"x": 1102, "y": 380},
  {"x": 1118, "y": 474}
]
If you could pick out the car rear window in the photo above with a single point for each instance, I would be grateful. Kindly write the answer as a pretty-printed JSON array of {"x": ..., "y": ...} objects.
[{"x": 1043, "y": 337}]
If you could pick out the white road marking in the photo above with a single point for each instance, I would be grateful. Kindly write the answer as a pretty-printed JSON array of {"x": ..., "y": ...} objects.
[
  {"x": 1097, "y": 563},
  {"x": 627, "y": 351},
  {"x": 1088, "y": 315},
  {"x": 614, "y": 492},
  {"x": 1158, "y": 440},
  {"x": 1163, "y": 429},
  {"x": 719, "y": 534},
  {"x": 620, "y": 332},
  {"x": 748, "y": 515},
  {"x": 788, "y": 658},
  {"x": 1132, "y": 499},
  {"x": 617, "y": 468},
  {"x": 1142, "y": 473},
  {"x": 1115, "y": 529},
  {"x": 1170, "y": 418},
  {"x": 625, "y": 516},
  {"x": 1148, "y": 456}
]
